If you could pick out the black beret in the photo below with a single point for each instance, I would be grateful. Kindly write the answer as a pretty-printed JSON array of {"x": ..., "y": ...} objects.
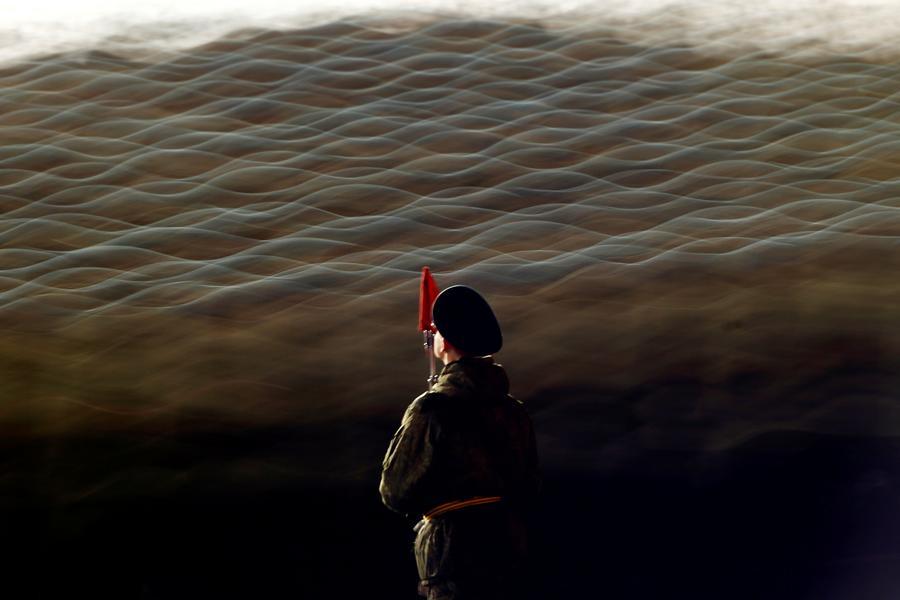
[{"x": 466, "y": 320}]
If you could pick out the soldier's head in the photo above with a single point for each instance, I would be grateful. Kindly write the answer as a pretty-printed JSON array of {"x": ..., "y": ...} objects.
[{"x": 465, "y": 323}]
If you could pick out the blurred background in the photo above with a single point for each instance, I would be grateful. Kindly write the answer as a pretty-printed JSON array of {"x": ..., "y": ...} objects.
[{"x": 685, "y": 216}]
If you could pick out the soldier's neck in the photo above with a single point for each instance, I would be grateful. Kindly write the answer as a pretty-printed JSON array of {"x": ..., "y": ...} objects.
[{"x": 450, "y": 355}]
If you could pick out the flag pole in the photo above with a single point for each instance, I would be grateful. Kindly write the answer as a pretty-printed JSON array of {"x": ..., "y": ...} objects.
[
  {"x": 428, "y": 291},
  {"x": 429, "y": 350}
]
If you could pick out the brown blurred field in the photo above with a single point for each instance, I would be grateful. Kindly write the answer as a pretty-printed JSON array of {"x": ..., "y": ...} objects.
[{"x": 208, "y": 279}]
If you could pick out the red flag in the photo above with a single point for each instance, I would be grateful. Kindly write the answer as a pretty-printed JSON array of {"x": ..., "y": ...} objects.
[{"x": 428, "y": 291}]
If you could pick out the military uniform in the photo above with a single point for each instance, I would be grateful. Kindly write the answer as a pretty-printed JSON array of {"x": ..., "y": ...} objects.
[{"x": 465, "y": 457}]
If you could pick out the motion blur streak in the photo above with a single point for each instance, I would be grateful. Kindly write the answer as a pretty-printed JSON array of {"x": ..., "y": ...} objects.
[{"x": 693, "y": 252}]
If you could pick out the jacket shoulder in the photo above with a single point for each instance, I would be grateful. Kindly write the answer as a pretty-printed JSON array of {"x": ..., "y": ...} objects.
[{"x": 429, "y": 402}]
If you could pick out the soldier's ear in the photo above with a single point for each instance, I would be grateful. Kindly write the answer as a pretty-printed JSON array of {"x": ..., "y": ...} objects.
[{"x": 447, "y": 346}]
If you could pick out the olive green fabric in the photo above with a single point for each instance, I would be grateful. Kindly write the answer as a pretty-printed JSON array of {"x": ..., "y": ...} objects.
[{"x": 466, "y": 438}]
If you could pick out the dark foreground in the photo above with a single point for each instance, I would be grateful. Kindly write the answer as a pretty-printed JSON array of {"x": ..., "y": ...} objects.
[{"x": 788, "y": 516}]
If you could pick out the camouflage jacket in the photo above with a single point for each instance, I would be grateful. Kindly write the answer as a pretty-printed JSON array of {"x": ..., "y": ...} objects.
[{"x": 467, "y": 437}]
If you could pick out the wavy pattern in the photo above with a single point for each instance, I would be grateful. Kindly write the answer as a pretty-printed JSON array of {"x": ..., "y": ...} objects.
[
  {"x": 301, "y": 151},
  {"x": 235, "y": 202},
  {"x": 208, "y": 273}
]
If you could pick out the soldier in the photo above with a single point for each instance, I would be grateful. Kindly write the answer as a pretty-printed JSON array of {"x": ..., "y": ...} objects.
[{"x": 465, "y": 459}]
